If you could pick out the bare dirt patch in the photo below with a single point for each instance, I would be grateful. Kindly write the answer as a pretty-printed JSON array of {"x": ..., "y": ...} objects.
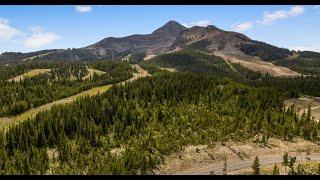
[
  {"x": 259, "y": 65},
  {"x": 117, "y": 151},
  {"x": 91, "y": 72},
  {"x": 301, "y": 105},
  {"x": 203, "y": 159},
  {"x": 169, "y": 69},
  {"x": 4, "y": 120},
  {"x": 268, "y": 169},
  {"x": 127, "y": 57},
  {"x": 149, "y": 56},
  {"x": 38, "y": 56},
  {"x": 52, "y": 153},
  {"x": 29, "y": 74}
]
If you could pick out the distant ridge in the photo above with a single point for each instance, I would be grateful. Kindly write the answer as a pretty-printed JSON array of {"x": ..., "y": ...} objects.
[{"x": 172, "y": 36}]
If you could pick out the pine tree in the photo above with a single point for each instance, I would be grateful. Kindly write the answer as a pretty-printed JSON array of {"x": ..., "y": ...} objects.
[
  {"x": 309, "y": 113},
  {"x": 225, "y": 166},
  {"x": 300, "y": 170},
  {"x": 285, "y": 161},
  {"x": 256, "y": 166},
  {"x": 26, "y": 166},
  {"x": 292, "y": 160},
  {"x": 276, "y": 170}
]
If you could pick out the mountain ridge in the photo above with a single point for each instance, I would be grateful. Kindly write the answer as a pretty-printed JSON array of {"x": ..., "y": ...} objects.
[{"x": 172, "y": 36}]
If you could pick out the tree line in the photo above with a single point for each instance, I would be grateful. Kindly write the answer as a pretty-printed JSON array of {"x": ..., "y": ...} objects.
[
  {"x": 17, "y": 97},
  {"x": 130, "y": 128}
]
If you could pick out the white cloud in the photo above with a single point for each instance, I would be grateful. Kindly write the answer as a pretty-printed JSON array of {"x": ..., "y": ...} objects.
[
  {"x": 7, "y": 32},
  {"x": 305, "y": 48},
  {"x": 83, "y": 8},
  {"x": 185, "y": 25},
  {"x": 202, "y": 23},
  {"x": 268, "y": 17},
  {"x": 296, "y": 10},
  {"x": 242, "y": 26},
  {"x": 39, "y": 38},
  {"x": 36, "y": 29}
]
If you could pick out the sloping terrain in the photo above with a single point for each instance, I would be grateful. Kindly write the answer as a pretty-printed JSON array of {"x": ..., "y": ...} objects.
[
  {"x": 189, "y": 61},
  {"x": 29, "y": 74},
  {"x": 92, "y": 72},
  {"x": 5, "y": 122},
  {"x": 260, "y": 66},
  {"x": 311, "y": 165},
  {"x": 204, "y": 160},
  {"x": 157, "y": 42},
  {"x": 302, "y": 104},
  {"x": 171, "y": 37}
]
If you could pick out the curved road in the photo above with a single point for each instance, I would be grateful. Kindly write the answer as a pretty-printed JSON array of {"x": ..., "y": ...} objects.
[{"x": 243, "y": 164}]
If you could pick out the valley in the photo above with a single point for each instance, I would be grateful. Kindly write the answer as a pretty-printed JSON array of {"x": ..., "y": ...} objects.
[{"x": 179, "y": 100}]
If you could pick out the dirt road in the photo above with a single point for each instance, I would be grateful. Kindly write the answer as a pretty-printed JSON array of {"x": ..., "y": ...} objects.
[
  {"x": 234, "y": 166},
  {"x": 6, "y": 122}
]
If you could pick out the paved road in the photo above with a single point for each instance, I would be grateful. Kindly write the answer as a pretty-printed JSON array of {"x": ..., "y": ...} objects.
[{"x": 243, "y": 164}]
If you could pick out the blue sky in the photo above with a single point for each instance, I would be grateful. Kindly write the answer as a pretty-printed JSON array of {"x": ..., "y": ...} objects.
[{"x": 31, "y": 28}]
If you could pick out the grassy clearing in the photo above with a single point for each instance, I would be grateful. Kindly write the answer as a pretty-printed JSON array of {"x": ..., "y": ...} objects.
[
  {"x": 92, "y": 72},
  {"x": 169, "y": 69},
  {"x": 301, "y": 105},
  {"x": 29, "y": 74}
]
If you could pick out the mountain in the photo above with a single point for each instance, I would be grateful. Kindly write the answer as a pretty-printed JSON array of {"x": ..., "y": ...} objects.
[
  {"x": 169, "y": 38},
  {"x": 173, "y": 37},
  {"x": 158, "y": 42},
  {"x": 9, "y": 57},
  {"x": 210, "y": 39}
]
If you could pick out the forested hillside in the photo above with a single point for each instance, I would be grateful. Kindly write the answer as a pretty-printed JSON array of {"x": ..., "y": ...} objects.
[
  {"x": 200, "y": 62},
  {"x": 129, "y": 129},
  {"x": 304, "y": 65},
  {"x": 264, "y": 51},
  {"x": 14, "y": 57},
  {"x": 71, "y": 55},
  {"x": 17, "y": 97},
  {"x": 191, "y": 61}
]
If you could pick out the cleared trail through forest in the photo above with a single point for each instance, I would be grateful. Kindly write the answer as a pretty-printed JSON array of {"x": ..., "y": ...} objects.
[
  {"x": 29, "y": 74},
  {"x": 5, "y": 122},
  {"x": 260, "y": 66},
  {"x": 234, "y": 166}
]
